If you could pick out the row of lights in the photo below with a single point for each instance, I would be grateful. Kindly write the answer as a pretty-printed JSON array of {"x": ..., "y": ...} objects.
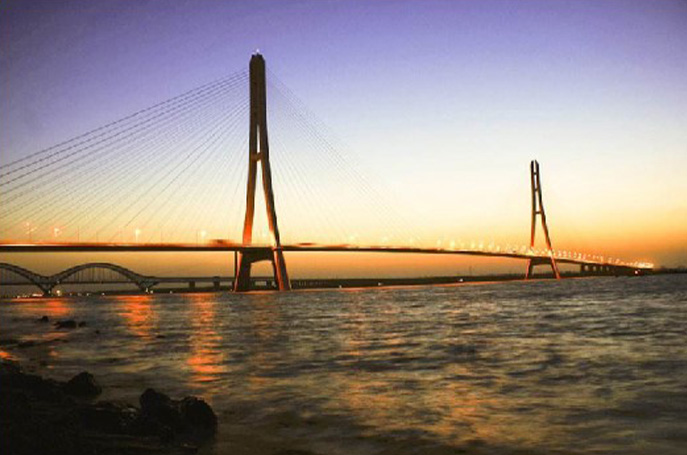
[{"x": 202, "y": 234}]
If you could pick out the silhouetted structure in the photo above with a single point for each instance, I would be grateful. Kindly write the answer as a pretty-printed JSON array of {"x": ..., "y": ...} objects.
[
  {"x": 259, "y": 152},
  {"x": 247, "y": 253},
  {"x": 538, "y": 209}
]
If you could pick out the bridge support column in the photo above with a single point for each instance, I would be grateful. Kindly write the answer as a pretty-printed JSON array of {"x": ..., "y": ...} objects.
[
  {"x": 538, "y": 209},
  {"x": 259, "y": 153},
  {"x": 246, "y": 260},
  {"x": 191, "y": 285},
  {"x": 531, "y": 263}
]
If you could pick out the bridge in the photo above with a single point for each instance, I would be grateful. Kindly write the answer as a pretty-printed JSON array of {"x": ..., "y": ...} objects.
[
  {"x": 22, "y": 184},
  {"x": 101, "y": 273}
]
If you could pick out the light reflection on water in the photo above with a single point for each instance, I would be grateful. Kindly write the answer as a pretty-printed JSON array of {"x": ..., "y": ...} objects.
[{"x": 576, "y": 366}]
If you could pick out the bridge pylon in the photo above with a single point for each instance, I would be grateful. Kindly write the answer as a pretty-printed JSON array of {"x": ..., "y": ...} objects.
[
  {"x": 258, "y": 153},
  {"x": 538, "y": 209}
]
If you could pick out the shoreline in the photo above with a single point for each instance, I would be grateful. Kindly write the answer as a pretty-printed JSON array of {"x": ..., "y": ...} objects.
[{"x": 42, "y": 415}]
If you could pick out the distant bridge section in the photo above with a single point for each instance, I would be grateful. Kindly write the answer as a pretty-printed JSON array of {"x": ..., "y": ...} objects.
[
  {"x": 110, "y": 273},
  {"x": 97, "y": 273}
]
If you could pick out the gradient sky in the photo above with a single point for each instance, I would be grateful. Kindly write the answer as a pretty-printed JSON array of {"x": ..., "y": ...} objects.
[{"x": 442, "y": 104}]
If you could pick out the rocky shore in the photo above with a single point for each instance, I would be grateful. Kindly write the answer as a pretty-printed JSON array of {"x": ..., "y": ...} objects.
[{"x": 44, "y": 416}]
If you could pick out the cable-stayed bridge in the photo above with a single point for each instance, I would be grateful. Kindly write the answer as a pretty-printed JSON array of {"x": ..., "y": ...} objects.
[{"x": 176, "y": 169}]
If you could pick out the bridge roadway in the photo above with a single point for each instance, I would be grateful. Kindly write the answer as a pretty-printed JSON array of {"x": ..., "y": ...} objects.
[{"x": 217, "y": 246}]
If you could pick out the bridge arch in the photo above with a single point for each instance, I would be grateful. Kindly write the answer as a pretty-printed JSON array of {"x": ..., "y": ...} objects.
[
  {"x": 141, "y": 281},
  {"x": 40, "y": 281}
]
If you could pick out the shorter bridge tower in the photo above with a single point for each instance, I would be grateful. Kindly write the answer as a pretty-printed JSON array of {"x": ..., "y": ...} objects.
[
  {"x": 258, "y": 152},
  {"x": 538, "y": 209}
]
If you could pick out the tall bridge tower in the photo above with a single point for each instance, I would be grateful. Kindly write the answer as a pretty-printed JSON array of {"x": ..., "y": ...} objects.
[
  {"x": 259, "y": 153},
  {"x": 538, "y": 209}
]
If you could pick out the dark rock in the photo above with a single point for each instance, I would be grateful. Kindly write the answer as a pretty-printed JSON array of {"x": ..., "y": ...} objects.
[
  {"x": 9, "y": 367},
  {"x": 67, "y": 324},
  {"x": 109, "y": 417},
  {"x": 37, "y": 417},
  {"x": 161, "y": 408},
  {"x": 43, "y": 319},
  {"x": 82, "y": 324},
  {"x": 26, "y": 344},
  {"x": 151, "y": 400},
  {"x": 147, "y": 425},
  {"x": 83, "y": 385},
  {"x": 198, "y": 413},
  {"x": 30, "y": 384}
]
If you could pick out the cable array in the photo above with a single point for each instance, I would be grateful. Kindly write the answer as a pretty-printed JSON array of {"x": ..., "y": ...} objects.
[
  {"x": 132, "y": 178},
  {"x": 176, "y": 172},
  {"x": 328, "y": 198}
]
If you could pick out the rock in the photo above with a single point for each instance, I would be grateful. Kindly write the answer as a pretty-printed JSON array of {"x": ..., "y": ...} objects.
[
  {"x": 82, "y": 324},
  {"x": 9, "y": 367},
  {"x": 26, "y": 344},
  {"x": 67, "y": 324},
  {"x": 83, "y": 385},
  {"x": 161, "y": 408},
  {"x": 198, "y": 413},
  {"x": 37, "y": 417},
  {"x": 109, "y": 417},
  {"x": 151, "y": 400},
  {"x": 44, "y": 319},
  {"x": 11, "y": 377}
]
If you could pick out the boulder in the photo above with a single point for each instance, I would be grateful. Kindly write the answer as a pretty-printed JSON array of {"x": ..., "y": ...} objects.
[
  {"x": 109, "y": 417},
  {"x": 161, "y": 408},
  {"x": 198, "y": 413},
  {"x": 83, "y": 385}
]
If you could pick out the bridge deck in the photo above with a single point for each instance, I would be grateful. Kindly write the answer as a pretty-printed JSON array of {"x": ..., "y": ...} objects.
[{"x": 228, "y": 246}]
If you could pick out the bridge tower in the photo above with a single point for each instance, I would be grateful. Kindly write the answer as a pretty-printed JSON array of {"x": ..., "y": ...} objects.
[
  {"x": 538, "y": 209},
  {"x": 258, "y": 153}
]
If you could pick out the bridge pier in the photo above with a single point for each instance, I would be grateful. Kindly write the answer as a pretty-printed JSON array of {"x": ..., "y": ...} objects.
[
  {"x": 192, "y": 285},
  {"x": 246, "y": 260},
  {"x": 538, "y": 210},
  {"x": 531, "y": 263},
  {"x": 259, "y": 154}
]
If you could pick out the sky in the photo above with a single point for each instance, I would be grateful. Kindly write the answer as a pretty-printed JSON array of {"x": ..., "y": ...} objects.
[{"x": 439, "y": 105}]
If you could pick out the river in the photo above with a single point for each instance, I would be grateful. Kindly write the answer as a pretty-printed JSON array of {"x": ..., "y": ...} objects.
[{"x": 595, "y": 365}]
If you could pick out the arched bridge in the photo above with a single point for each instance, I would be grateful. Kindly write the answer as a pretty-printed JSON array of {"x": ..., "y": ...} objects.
[{"x": 93, "y": 273}]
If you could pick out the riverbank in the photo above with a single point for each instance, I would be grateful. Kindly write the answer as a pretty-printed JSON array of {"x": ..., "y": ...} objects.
[{"x": 45, "y": 416}]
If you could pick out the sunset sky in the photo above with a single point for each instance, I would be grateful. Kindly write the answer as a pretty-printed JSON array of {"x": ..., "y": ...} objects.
[{"x": 436, "y": 106}]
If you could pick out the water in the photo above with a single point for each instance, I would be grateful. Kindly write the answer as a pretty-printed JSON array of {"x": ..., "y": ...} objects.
[{"x": 578, "y": 366}]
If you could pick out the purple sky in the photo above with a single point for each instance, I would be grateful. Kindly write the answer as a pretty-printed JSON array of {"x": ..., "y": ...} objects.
[{"x": 439, "y": 99}]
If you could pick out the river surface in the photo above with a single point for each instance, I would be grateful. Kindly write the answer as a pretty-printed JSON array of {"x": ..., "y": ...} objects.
[{"x": 594, "y": 365}]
